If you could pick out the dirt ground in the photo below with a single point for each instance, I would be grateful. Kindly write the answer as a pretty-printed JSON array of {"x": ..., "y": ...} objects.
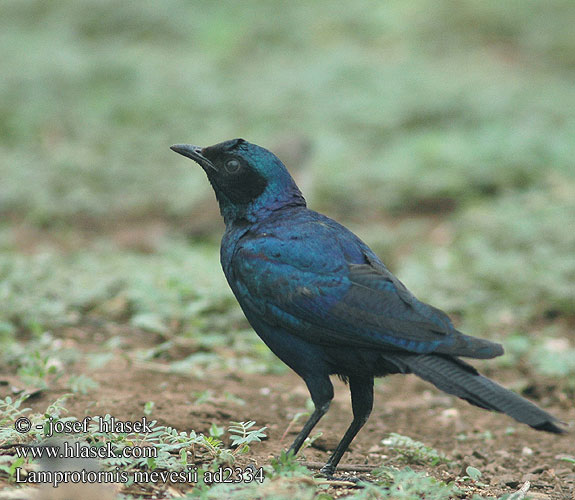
[{"x": 404, "y": 405}]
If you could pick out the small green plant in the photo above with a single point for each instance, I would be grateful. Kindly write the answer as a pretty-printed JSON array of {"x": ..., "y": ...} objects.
[
  {"x": 310, "y": 440},
  {"x": 10, "y": 409},
  {"x": 241, "y": 435},
  {"x": 217, "y": 431},
  {"x": 286, "y": 465},
  {"x": 475, "y": 436},
  {"x": 8, "y": 465},
  {"x": 82, "y": 384},
  {"x": 203, "y": 396},
  {"x": 472, "y": 475},
  {"x": 392, "y": 483},
  {"x": 234, "y": 399},
  {"x": 149, "y": 408},
  {"x": 164, "y": 448},
  {"x": 567, "y": 458},
  {"x": 412, "y": 451}
]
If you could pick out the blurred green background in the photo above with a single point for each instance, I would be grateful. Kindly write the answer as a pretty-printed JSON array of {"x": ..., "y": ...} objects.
[{"x": 441, "y": 131}]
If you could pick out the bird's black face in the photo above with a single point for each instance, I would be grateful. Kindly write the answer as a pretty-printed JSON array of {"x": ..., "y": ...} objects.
[{"x": 228, "y": 169}]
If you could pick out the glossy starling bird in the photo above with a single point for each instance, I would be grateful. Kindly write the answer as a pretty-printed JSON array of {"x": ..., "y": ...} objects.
[{"x": 325, "y": 304}]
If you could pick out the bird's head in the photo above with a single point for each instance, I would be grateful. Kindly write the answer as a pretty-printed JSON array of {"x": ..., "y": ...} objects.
[{"x": 248, "y": 180}]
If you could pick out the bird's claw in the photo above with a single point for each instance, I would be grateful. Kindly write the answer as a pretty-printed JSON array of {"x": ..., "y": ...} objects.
[{"x": 348, "y": 479}]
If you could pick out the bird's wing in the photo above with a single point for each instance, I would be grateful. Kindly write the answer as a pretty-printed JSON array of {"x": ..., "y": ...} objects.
[{"x": 309, "y": 287}]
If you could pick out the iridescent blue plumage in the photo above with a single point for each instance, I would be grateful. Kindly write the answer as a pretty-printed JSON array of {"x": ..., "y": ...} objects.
[{"x": 326, "y": 304}]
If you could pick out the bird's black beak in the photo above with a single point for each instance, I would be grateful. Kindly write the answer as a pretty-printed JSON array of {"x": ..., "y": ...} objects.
[{"x": 195, "y": 153}]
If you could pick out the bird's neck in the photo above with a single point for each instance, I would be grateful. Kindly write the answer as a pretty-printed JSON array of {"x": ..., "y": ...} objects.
[{"x": 261, "y": 208}]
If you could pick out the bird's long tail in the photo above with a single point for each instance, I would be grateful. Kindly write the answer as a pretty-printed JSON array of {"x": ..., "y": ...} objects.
[{"x": 462, "y": 380}]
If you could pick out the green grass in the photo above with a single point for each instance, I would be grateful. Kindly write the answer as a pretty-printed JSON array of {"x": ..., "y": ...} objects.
[
  {"x": 173, "y": 450},
  {"x": 512, "y": 258},
  {"x": 180, "y": 452},
  {"x": 440, "y": 131},
  {"x": 414, "y": 452},
  {"x": 467, "y": 100},
  {"x": 180, "y": 295},
  {"x": 50, "y": 290}
]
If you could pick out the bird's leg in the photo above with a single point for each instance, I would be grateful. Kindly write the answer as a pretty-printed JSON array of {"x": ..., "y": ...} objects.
[
  {"x": 321, "y": 391},
  {"x": 319, "y": 412},
  {"x": 361, "y": 402}
]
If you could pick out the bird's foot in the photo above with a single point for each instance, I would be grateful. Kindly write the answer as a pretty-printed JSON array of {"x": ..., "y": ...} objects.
[{"x": 328, "y": 472}]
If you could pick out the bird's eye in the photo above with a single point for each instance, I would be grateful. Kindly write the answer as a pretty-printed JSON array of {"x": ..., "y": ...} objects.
[{"x": 232, "y": 166}]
